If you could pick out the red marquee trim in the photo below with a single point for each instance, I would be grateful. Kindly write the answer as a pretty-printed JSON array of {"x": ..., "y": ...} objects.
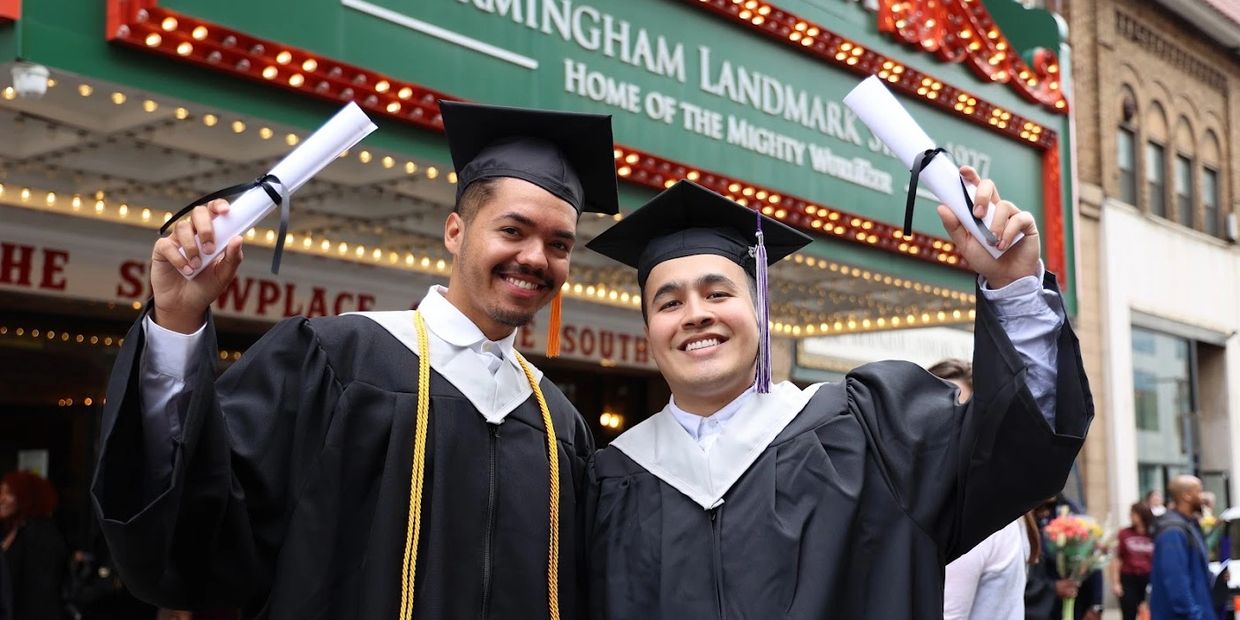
[
  {"x": 10, "y": 10},
  {"x": 962, "y": 31},
  {"x": 144, "y": 25},
  {"x": 1053, "y": 216}
]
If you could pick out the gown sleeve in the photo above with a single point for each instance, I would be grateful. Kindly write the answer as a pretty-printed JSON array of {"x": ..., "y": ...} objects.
[
  {"x": 205, "y": 537},
  {"x": 962, "y": 472}
]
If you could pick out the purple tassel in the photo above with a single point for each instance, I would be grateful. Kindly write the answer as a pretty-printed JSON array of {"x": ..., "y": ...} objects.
[{"x": 764, "y": 313}]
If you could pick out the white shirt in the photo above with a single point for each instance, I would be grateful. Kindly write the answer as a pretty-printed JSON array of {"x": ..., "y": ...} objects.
[
  {"x": 458, "y": 350},
  {"x": 1023, "y": 308},
  {"x": 988, "y": 582},
  {"x": 705, "y": 429}
]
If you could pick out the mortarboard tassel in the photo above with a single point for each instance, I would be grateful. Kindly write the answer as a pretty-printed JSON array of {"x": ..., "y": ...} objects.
[
  {"x": 553, "y": 325},
  {"x": 764, "y": 313}
]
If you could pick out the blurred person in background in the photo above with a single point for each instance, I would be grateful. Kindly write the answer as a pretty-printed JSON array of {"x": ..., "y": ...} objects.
[
  {"x": 1047, "y": 589},
  {"x": 957, "y": 371},
  {"x": 1134, "y": 558},
  {"x": 988, "y": 581},
  {"x": 1154, "y": 500},
  {"x": 33, "y": 546},
  {"x": 1180, "y": 578}
]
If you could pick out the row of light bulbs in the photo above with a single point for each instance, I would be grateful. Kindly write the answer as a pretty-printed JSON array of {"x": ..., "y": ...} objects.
[
  {"x": 806, "y": 34},
  {"x": 65, "y": 337},
  {"x": 924, "y": 319},
  {"x": 359, "y": 252},
  {"x": 239, "y": 126},
  {"x": 286, "y": 62},
  {"x": 599, "y": 293},
  {"x": 53, "y": 336},
  {"x": 774, "y": 204}
]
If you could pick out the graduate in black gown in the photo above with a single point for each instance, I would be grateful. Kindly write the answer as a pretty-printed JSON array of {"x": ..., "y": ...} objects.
[
  {"x": 747, "y": 500},
  {"x": 293, "y": 486}
]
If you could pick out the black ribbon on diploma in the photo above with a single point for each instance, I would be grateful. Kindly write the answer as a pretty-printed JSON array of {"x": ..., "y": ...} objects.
[
  {"x": 919, "y": 163},
  {"x": 275, "y": 189}
]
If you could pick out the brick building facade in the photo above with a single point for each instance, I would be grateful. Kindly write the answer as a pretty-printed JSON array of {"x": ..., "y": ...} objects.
[{"x": 1156, "y": 95}]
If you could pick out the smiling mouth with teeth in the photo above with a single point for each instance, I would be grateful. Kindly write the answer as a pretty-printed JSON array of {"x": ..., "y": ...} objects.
[
  {"x": 525, "y": 284},
  {"x": 702, "y": 344}
]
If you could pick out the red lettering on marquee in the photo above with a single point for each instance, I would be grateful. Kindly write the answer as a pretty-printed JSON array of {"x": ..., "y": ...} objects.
[
  {"x": 268, "y": 293},
  {"x": 133, "y": 279},
  {"x": 318, "y": 303},
  {"x": 54, "y": 265},
  {"x": 15, "y": 263},
  {"x": 238, "y": 293},
  {"x": 641, "y": 352},
  {"x": 17, "y": 266},
  {"x": 525, "y": 339},
  {"x": 624, "y": 346},
  {"x": 587, "y": 341},
  {"x": 365, "y": 302},
  {"x": 339, "y": 301},
  {"x": 289, "y": 310},
  {"x": 606, "y": 344},
  {"x": 568, "y": 339}
]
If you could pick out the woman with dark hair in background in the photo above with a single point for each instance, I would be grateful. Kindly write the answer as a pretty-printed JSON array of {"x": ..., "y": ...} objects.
[
  {"x": 988, "y": 581},
  {"x": 34, "y": 548},
  {"x": 1134, "y": 557}
]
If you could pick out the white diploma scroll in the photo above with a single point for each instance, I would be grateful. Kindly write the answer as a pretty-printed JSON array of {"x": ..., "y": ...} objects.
[
  {"x": 883, "y": 114},
  {"x": 344, "y": 130}
]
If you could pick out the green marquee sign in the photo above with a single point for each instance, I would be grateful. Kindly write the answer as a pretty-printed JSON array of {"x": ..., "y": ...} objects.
[{"x": 679, "y": 82}]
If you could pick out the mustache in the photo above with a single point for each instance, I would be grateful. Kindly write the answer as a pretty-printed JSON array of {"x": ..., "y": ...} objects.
[{"x": 522, "y": 270}]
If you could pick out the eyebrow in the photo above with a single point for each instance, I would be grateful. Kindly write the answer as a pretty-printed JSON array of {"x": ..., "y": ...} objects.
[
  {"x": 566, "y": 235},
  {"x": 710, "y": 279}
]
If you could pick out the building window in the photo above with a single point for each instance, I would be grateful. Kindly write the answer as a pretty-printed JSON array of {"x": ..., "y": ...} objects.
[
  {"x": 1155, "y": 182},
  {"x": 1163, "y": 396},
  {"x": 1209, "y": 201},
  {"x": 1145, "y": 387},
  {"x": 1184, "y": 190},
  {"x": 1127, "y": 160}
]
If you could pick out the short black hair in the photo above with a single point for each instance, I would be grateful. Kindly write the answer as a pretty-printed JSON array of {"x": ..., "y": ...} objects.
[
  {"x": 477, "y": 194},
  {"x": 953, "y": 369}
]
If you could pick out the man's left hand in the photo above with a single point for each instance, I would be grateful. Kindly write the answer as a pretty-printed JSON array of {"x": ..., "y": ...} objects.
[
  {"x": 1092, "y": 615},
  {"x": 1016, "y": 262}
]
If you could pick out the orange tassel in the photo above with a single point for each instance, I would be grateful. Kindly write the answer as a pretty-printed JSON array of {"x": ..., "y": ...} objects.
[{"x": 553, "y": 325}]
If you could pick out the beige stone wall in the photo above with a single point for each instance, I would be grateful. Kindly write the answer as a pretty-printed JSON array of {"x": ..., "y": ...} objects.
[
  {"x": 1185, "y": 89},
  {"x": 1137, "y": 46}
]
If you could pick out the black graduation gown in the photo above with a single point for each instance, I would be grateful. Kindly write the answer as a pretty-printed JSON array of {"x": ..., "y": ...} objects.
[
  {"x": 854, "y": 508},
  {"x": 289, "y": 494}
]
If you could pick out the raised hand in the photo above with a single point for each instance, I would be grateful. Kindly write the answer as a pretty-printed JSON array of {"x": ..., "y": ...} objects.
[
  {"x": 181, "y": 304},
  {"x": 1018, "y": 261}
]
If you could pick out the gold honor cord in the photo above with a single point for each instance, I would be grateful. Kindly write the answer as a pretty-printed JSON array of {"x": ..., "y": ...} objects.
[
  {"x": 419, "y": 468},
  {"x": 553, "y": 460}
]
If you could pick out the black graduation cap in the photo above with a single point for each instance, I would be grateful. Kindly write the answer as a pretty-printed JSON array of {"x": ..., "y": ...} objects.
[
  {"x": 569, "y": 154},
  {"x": 689, "y": 219}
]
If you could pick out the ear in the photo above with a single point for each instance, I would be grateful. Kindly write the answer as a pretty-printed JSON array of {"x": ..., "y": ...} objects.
[{"x": 453, "y": 233}]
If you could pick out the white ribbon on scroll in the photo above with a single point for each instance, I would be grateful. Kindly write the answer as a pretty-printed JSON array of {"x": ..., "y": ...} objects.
[
  {"x": 883, "y": 114},
  {"x": 344, "y": 130}
]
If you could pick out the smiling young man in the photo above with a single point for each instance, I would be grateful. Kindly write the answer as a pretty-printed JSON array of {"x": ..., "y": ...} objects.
[
  {"x": 841, "y": 500},
  {"x": 375, "y": 465}
]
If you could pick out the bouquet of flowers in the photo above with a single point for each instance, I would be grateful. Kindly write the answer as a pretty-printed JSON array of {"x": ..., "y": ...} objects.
[{"x": 1080, "y": 546}]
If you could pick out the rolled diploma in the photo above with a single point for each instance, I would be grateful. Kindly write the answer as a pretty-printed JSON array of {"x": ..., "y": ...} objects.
[
  {"x": 344, "y": 130},
  {"x": 883, "y": 114}
]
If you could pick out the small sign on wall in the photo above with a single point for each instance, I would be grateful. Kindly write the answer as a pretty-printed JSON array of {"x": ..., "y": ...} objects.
[{"x": 33, "y": 461}]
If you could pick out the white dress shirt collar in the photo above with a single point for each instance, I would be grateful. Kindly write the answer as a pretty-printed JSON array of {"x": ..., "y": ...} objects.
[
  {"x": 705, "y": 429},
  {"x": 453, "y": 327},
  {"x": 458, "y": 349}
]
